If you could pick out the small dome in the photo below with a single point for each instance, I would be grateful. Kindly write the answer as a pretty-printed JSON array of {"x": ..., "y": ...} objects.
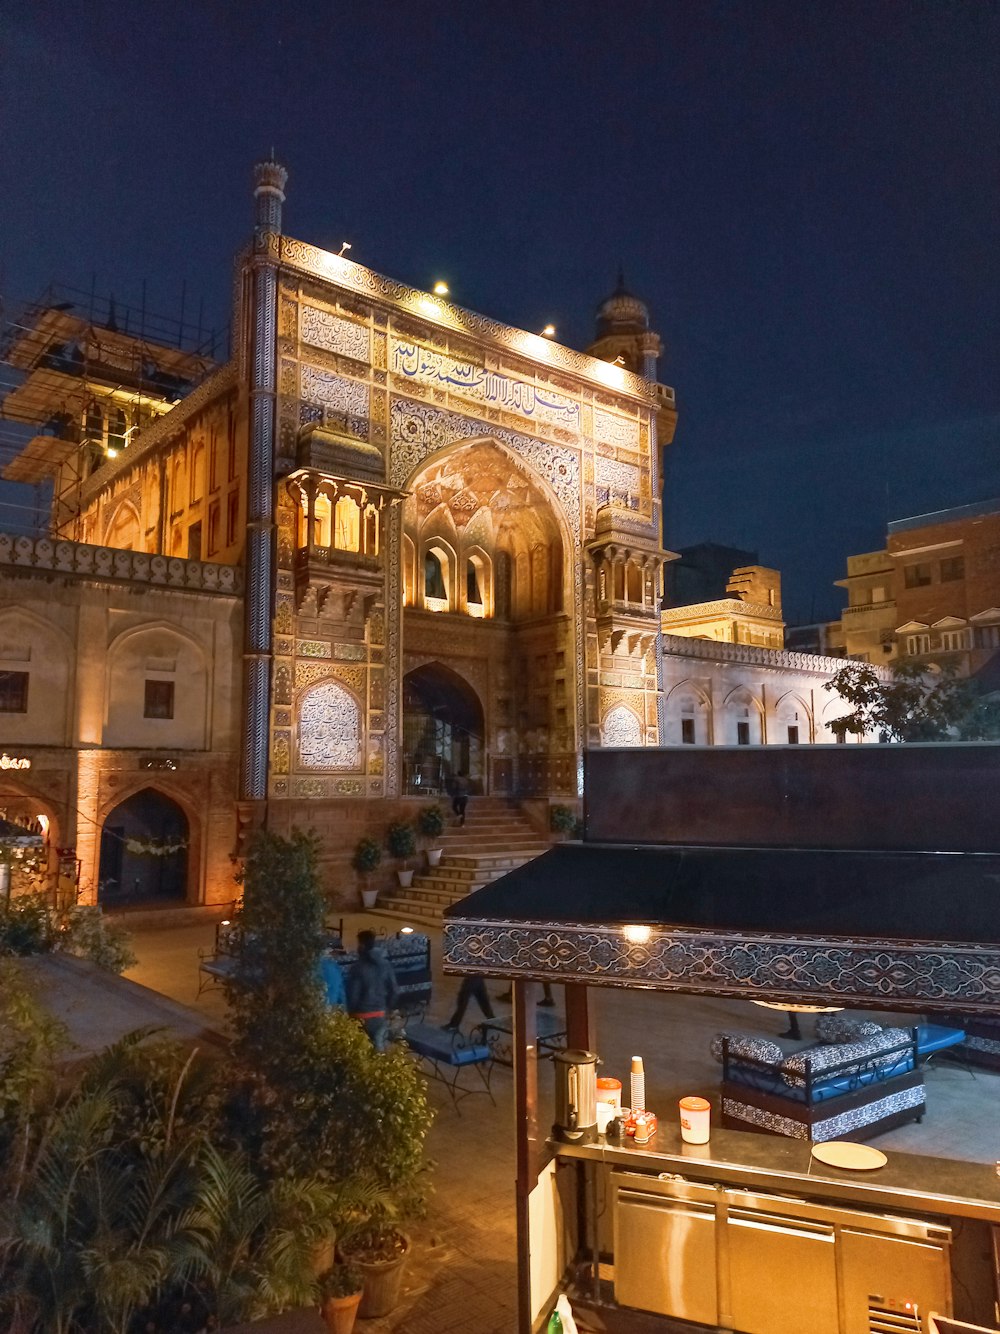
[{"x": 622, "y": 312}]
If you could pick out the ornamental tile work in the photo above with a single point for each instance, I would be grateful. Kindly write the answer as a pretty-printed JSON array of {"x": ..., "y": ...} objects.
[
  {"x": 333, "y": 333},
  {"x": 538, "y": 402},
  {"x": 313, "y": 648},
  {"x": 854, "y": 973},
  {"x": 345, "y": 399},
  {"x": 329, "y": 728},
  {"x": 616, "y": 430},
  {"x": 419, "y": 431}
]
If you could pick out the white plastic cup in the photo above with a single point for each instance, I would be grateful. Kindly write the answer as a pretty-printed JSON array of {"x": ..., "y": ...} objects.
[
  {"x": 695, "y": 1120},
  {"x": 605, "y": 1112}
]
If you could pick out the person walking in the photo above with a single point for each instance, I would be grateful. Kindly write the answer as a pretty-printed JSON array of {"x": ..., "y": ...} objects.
[
  {"x": 460, "y": 796},
  {"x": 371, "y": 989},
  {"x": 472, "y": 988}
]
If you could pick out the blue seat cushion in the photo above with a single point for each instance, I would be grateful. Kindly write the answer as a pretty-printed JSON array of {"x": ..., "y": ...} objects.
[
  {"x": 773, "y": 1081},
  {"x": 935, "y": 1037},
  {"x": 450, "y": 1048}
]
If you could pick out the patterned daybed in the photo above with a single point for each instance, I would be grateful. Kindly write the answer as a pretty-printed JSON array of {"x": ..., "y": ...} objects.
[{"x": 863, "y": 1082}]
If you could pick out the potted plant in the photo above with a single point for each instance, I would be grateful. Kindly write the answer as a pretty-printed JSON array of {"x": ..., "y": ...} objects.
[
  {"x": 367, "y": 858},
  {"x": 380, "y": 1252},
  {"x": 402, "y": 843},
  {"x": 430, "y": 823},
  {"x": 562, "y": 820},
  {"x": 340, "y": 1290}
]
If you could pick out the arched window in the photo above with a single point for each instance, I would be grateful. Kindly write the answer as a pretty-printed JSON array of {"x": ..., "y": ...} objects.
[
  {"x": 434, "y": 584},
  {"x": 93, "y": 424},
  {"x": 347, "y": 525},
  {"x": 197, "y": 473},
  {"x": 322, "y": 514},
  {"x": 117, "y": 426},
  {"x": 634, "y": 582},
  {"x": 473, "y": 593}
]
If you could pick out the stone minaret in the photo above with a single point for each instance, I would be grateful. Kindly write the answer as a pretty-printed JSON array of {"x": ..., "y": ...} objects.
[
  {"x": 269, "y": 195},
  {"x": 623, "y": 334}
]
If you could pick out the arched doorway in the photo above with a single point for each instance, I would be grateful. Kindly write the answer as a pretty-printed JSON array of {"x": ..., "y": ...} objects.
[
  {"x": 442, "y": 730},
  {"x": 144, "y": 852}
]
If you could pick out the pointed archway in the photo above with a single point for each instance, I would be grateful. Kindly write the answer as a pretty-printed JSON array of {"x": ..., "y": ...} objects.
[
  {"x": 144, "y": 852},
  {"x": 443, "y": 730}
]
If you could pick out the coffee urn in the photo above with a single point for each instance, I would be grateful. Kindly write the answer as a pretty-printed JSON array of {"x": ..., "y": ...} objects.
[{"x": 576, "y": 1096}]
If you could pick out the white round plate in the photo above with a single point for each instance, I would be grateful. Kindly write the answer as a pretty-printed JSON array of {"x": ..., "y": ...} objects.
[{"x": 842, "y": 1153}]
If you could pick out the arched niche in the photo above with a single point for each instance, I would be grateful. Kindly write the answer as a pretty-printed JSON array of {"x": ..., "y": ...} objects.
[
  {"x": 145, "y": 853},
  {"x": 37, "y": 662},
  {"x": 156, "y": 692},
  {"x": 473, "y": 501},
  {"x": 124, "y": 529},
  {"x": 794, "y": 720},
  {"x": 443, "y": 729},
  {"x": 328, "y": 729},
  {"x": 621, "y": 727},
  {"x": 744, "y": 720},
  {"x": 689, "y": 715}
]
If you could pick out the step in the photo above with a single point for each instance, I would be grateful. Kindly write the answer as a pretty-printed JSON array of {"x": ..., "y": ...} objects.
[{"x": 409, "y": 915}]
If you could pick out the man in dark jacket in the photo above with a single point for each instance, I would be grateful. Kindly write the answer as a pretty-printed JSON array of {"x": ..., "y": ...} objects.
[{"x": 371, "y": 989}]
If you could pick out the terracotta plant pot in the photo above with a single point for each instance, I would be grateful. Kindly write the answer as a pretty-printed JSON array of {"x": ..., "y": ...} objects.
[
  {"x": 383, "y": 1280},
  {"x": 340, "y": 1313},
  {"x": 405, "y": 878},
  {"x": 434, "y": 856}
]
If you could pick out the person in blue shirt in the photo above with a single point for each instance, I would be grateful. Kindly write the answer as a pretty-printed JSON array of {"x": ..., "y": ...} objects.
[{"x": 332, "y": 978}]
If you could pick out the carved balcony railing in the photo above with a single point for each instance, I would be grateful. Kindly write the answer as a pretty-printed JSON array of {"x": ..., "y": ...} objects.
[{"x": 84, "y": 560}]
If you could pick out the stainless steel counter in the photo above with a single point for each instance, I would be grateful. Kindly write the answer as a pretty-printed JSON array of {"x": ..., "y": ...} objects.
[{"x": 938, "y": 1186}]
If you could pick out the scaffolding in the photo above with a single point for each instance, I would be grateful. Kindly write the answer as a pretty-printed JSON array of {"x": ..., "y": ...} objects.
[{"x": 80, "y": 375}]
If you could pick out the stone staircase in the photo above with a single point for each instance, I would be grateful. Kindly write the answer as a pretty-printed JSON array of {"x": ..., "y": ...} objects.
[{"x": 494, "y": 840}]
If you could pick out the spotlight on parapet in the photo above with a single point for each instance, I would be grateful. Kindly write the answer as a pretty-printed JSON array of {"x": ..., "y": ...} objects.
[
  {"x": 440, "y": 289},
  {"x": 344, "y": 247},
  {"x": 549, "y": 331}
]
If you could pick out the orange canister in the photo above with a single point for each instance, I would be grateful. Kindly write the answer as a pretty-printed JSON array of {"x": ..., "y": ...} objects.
[
  {"x": 610, "y": 1090},
  {"x": 695, "y": 1120}
]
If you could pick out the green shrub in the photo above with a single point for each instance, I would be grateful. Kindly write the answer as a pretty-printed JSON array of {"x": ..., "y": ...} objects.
[
  {"x": 561, "y": 820},
  {"x": 86, "y": 933},
  {"x": 339, "y": 1281},
  {"x": 430, "y": 821},
  {"x": 26, "y": 925},
  {"x": 367, "y": 856},
  {"x": 400, "y": 839}
]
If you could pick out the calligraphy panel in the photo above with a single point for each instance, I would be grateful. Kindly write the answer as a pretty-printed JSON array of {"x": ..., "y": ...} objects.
[
  {"x": 329, "y": 728},
  {"x": 538, "y": 402}
]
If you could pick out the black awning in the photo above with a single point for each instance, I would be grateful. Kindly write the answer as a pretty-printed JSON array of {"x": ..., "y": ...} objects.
[
  {"x": 893, "y": 929},
  {"x": 905, "y": 896}
]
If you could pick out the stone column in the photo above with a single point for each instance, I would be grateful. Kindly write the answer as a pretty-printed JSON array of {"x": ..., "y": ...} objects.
[{"x": 269, "y": 183}]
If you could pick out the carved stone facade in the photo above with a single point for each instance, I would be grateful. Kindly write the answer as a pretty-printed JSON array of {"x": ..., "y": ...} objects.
[{"x": 447, "y": 479}]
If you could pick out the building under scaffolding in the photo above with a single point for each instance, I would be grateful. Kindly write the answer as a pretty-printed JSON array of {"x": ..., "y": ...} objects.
[{"x": 90, "y": 374}]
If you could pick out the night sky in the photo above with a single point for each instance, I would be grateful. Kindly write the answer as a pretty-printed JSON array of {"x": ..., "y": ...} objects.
[{"x": 806, "y": 194}]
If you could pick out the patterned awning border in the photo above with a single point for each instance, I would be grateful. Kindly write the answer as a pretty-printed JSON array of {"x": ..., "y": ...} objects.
[{"x": 860, "y": 972}]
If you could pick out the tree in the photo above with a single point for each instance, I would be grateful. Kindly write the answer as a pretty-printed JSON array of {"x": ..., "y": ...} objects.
[
  {"x": 275, "y": 997},
  {"x": 914, "y": 705}
]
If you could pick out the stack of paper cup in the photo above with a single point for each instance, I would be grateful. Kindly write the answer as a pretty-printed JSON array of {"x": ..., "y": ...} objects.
[{"x": 637, "y": 1085}]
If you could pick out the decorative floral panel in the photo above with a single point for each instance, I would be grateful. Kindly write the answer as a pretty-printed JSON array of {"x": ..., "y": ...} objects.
[{"x": 329, "y": 728}]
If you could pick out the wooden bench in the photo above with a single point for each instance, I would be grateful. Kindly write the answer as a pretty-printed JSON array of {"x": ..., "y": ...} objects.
[{"x": 447, "y": 1055}]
